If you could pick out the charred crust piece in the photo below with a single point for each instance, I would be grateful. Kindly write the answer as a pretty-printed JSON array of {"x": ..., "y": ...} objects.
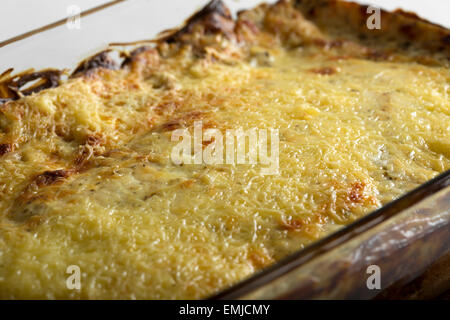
[
  {"x": 397, "y": 27},
  {"x": 10, "y": 86},
  {"x": 133, "y": 54},
  {"x": 50, "y": 177},
  {"x": 5, "y": 148},
  {"x": 142, "y": 58},
  {"x": 50, "y": 80},
  {"x": 99, "y": 60},
  {"x": 215, "y": 17}
]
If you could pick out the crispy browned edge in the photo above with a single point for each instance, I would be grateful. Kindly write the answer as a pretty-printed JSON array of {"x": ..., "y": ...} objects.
[
  {"x": 215, "y": 16},
  {"x": 402, "y": 29}
]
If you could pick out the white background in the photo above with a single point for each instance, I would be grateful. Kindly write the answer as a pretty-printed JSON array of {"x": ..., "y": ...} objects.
[
  {"x": 20, "y": 16},
  {"x": 127, "y": 21}
]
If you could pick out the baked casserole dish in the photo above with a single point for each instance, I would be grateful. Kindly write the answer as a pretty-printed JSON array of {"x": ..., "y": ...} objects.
[{"x": 87, "y": 176}]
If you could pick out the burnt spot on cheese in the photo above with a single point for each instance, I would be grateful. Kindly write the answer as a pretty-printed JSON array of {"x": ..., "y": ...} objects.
[
  {"x": 208, "y": 142},
  {"x": 324, "y": 71},
  {"x": 83, "y": 155},
  {"x": 144, "y": 59},
  {"x": 171, "y": 125},
  {"x": 356, "y": 193},
  {"x": 51, "y": 177},
  {"x": 348, "y": 200},
  {"x": 304, "y": 227},
  {"x": 100, "y": 60},
  {"x": 359, "y": 193},
  {"x": 5, "y": 148},
  {"x": 135, "y": 53},
  {"x": 85, "y": 152},
  {"x": 45, "y": 179}
]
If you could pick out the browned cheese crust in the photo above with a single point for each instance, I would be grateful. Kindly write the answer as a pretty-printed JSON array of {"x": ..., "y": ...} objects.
[{"x": 85, "y": 172}]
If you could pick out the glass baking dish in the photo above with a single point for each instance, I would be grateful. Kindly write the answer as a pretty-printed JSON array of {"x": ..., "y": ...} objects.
[{"x": 402, "y": 239}]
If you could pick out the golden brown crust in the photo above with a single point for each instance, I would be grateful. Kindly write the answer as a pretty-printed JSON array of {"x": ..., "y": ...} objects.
[
  {"x": 339, "y": 22},
  {"x": 400, "y": 31},
  {"x": 99, "y": 147},
  {"x": 50, "y": 177}
]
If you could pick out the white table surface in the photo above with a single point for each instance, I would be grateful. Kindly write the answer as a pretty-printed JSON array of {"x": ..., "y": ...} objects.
[{"x": 139, "y": 19}]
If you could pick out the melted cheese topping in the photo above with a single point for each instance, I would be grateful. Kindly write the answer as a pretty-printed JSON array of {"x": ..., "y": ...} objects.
[{"x": 90, "y": 181}]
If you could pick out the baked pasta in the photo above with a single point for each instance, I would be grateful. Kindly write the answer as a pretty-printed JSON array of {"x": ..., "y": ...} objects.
[{"x": 87, "y": 177}]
